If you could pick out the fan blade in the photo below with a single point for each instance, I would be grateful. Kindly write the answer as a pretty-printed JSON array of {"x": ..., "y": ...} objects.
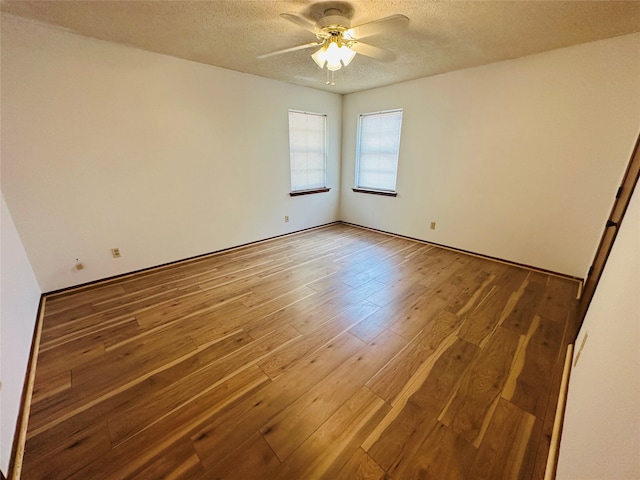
[
  {"x": 373, "y": 52},
  {"x": 300, "y": 21},
  {"x": 290, "y": 49},
  {"x": 382, "y": 25}
]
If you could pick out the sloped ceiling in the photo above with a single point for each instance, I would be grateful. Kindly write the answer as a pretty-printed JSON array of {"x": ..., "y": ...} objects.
[{"x": 441, "y": 36}]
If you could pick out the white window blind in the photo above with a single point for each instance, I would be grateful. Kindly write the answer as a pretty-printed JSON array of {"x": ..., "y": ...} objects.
[
  {"x": 377, "y": 150},
  {"x": 307, "y": 150}
]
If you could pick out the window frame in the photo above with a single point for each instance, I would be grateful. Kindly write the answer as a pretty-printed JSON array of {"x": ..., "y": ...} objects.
[
  {"x": 314, "y": 189},
  {"x": 357, "y": 184}
]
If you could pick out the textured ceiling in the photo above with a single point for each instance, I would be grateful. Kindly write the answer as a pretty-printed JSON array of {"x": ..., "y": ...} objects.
[{"x": 441, "y": 36}]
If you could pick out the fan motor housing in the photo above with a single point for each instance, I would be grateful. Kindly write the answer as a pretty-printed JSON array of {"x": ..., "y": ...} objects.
[{"x": 334, "y": 22}]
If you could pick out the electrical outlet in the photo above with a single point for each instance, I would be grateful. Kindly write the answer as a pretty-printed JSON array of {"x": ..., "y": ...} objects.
[
  {"x": 286, "y": 218},
  {"x": 433, "y": 226},
  {"x": 115, "y": 252}
]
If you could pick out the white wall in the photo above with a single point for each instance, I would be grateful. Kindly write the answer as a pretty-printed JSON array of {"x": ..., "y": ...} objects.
[
  {"x": 108, "y": 146},
  {"x": 519, "y": 159},
  {"x": 601, "y": 435},
  {"x": 19, "y": 297}
]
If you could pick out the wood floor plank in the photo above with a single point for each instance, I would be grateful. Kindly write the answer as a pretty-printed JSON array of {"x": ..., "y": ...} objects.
[
  {"x": 483, "y": 320},
  {"x": 259, "y": 319},
  {"x": 361, "y": 467},
  {"x": 253, "y": 455},
  {"x": 138, "y": 414},
  {"x": 419, "y": 316},
  {"x": 374, "y": 268},
  {"x": 445, "y": 376},
  {"x": 401, "y": 439},
  {"x": 509, "y": 446},
  {"x": 553, "y": 304},
  {"x": 395, "y": 448},
  {"x": 272, "y": 314},
  {"x": 61, "y": 317},
  {"x": 473, "y": 274},
  {"x": 214, "y": 442},
  {"x": 132, "y": 360},
  {"x": 206, "y": 327},
  {"x": 438, "y": 266},
  {"x": 86, "y": 396},
  {"x": 471, "y": 407},
  {"x": 412, "y": 386},
  {"x": 294, "y": 424},
  {"x": 528, "y": 385},
  {"x": 384, "y": 317},
  {"x": 282, "y": 360},
  {"x": 284, "y": 281},
  {"x": 51, "y": 385},
  {"x": 188, "y": 305},
  {"x": 336, "y": 305},
  {"x": 471, "y": 292},
  {"x": 326, "y": 451},
  {"x": 390, "y": 381},
  {"x": 443, "y": 454},
  {"x": 337, "y": 352},
  {"x": 56, "y": 361},
  {"x": 179, "y": 462},
  {"x": 395, "y": 290},
  {"x": 444, "y": 270},
  {"x": 87, "y": 325},
  {"x": 66, "y": 455},
  {"x": 147, "y": 445},
  {"x": 520, "y": 318},
  {"x": 64, "y": 302},
  {"x": 138, "y": 295}
]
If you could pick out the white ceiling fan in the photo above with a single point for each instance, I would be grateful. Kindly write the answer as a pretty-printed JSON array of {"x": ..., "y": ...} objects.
[{"x": 338, "y": 41}]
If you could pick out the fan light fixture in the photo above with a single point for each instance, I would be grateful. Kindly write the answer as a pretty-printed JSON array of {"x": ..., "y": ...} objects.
[{"x": 334, "y": 54}]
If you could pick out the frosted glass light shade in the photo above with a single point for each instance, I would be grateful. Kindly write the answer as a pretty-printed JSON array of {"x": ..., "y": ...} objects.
[
  {"x": 346, "y": 55},
  {"x": 320, "y": 57},
  {"x": 333, "y": 56}
]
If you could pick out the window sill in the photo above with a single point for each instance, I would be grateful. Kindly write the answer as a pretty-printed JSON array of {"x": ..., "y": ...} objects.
[
  {"x": 376, "y": 192},
  {"x": 309, "y": 192}
]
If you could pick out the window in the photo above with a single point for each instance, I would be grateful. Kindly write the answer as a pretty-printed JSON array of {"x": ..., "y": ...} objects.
[
  {"x": 307, "y": 152},
  {"x": 377, "y": 152}
]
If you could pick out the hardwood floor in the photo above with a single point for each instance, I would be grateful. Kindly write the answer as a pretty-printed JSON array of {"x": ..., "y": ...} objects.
[{"x": 335, "y": 353}]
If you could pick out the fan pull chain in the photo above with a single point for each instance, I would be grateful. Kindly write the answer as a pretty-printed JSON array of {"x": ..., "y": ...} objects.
[{"x": 331, "y": 77}]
